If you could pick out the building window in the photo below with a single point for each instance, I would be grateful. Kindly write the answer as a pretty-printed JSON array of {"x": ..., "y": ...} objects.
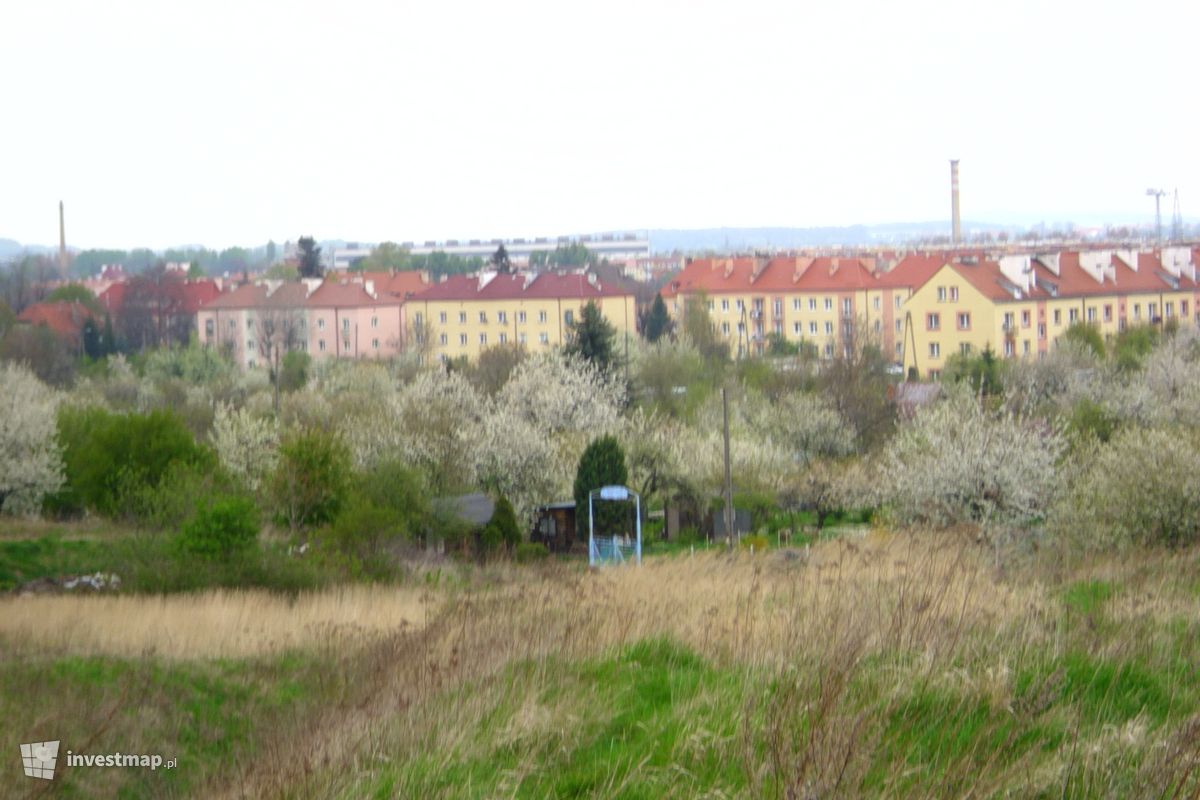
[
  {"x": 953, "y": 294},
  {"x": 504, "y": 338},
  {"x": 249, "y": 344},
  {"x": 375, "y": 344},
  {"x": 346, "y": 322},
  {"x": 933, "y": 321},
  {"x": 741, "y": 306},
  {"x": 847, "y": 305},
  {"x": 1008, "y": 348},
  {"x": 1091, "y": 314},
  {"x": 1025, "y": 346},
  {"x": 544, "y": 338},
  {"x": 444, "y": 339},
  {"x": 1137, "y": 310},
  {"x": 521, "y": 338},
  {"x": 796, "y": 328},
  {"x": 520, "y": 316},
  {"x": 1009, "y": 321},
  {"x": 442, "y": 317},
  {"x": 462, "y": 339},
  {"x": 724, "y": 304},
  {"x": 541, "y": 316},
  {"x": 208, "y": 328},
  {"x": 345, "y": 347},
  {"x": 710, "y": 305},
  {"x": 1183, "y": 308},
  {"x": 462, "y": 318},
  {"x": 877, "y": 302},
  {"x": 898, "y": 301},
  {"x": 829, "y": 329},
  {"x": 1152, "y": 311},
  {"x": 482, "y": 339},
  {"x": 795, "y": 304},
  {"x": 965, "y": 348},
  {"x": 1169, "y": 309},
  {"x": 250, "y": 325},
  {"x": 321, "y": 345},
  {"x": 483, "y": 317},
  {"x": 778, "y": 306},
  {"x": 374, "y": 322},
  {"x": 829, "y": 304},
  {"x": 935, "y": 350},
  {"x": 1041, "y": 330},
  {"x": 741, "y": 327},
  {"x": 898, "y": 326},
  {"x": 321, "y": 324},
  {"x": 941, "y": 294},
  {"x": 502, "y": 317},
  {"x": 725, "y": 328},
  {"x": 1024, "y": 319},
  {"x": 1108, "y": 313},
  {"x": 878, "y": 326},
  {"x": 1058, "y": 316},
  {"x": 935, "y": 374},
  {"x": 964, "y": 321},
  {"x": 829, "y": 351},
  {"x": 812, "y": 304},
  {"x": 812, "y": 328},
  {"x": 1072, "y": 315}
]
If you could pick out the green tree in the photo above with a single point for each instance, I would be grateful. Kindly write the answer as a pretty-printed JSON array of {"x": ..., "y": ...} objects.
[
  {"x": 574, "y": 254},
  {"x": 293, "y": 375},
  {"x": 195, "y": 271},
  {"x": 602, "y": 464},
  {"x": 310, "y": 258},
  {"x": 699, "y": 329},
  {"x": 222, "y": 531},
  {"x": 282, "y": 272},
  {"x": 1087, "y": 335},
  {"x": 271, "y": 247},
  {"x": 500, "y": 260},
  {"x": 658, "y": 322},
  {"x": 92, "y": 339},
  {"x": 76, "y": 293},
  {"x": 386, "y": 257},
  {"x": 502, "y": 529},
  {"x": 1133, "y": 345},
  {"x": 312, "y": 478},
  {"x": 592, "y": 338},
  {"x": 984, "y": 373},
  {"x": 389, "y": 503}
]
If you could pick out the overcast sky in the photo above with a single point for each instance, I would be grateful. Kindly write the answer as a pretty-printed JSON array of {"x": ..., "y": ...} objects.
[{"x": 164, "y": 123}]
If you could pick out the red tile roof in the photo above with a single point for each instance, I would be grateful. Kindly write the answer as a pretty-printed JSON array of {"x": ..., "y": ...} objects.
[
  {"x": 403, "y": 283},
  {"x": 521, "y": 286},
  {"x": 791, "y": 273},
  {"x": 65, "y": 319}
]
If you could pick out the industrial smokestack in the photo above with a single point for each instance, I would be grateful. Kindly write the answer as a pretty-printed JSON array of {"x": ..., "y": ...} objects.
[
  {"x": 62, "y": 239},
  {"x": 956, "y": 219}
]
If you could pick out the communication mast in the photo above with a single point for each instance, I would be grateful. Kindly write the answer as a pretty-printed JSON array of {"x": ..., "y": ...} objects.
[{"x": 1177, "y": 220}]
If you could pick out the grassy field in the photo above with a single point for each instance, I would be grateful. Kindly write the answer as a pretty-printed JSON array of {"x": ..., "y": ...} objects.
[{"x": 892, "y": 665}]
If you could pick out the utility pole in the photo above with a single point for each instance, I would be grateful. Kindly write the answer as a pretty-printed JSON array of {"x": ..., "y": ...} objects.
[{"x": 728, "y": 476}]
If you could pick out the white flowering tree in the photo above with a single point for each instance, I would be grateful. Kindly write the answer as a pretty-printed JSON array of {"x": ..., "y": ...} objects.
[
  {"x": 437, "y": 421},
  {"x": 247, "y": 445},
  {"x": 957, "y": 461},
  {"x": 30, "y": 459}
]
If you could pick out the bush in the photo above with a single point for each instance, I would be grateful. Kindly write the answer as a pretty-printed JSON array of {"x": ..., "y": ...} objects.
[
  {"x": 183, "y": 489},
  {"x": 389, "y": 504},
  {"x": 222, "y": 531},
  {"x": 110, "y": 458},
  {"x": 502, "y": 529},
  {"x": 311, "y": 479},
  {"x": 293, "y": 373},
  {"x": 757, "y": 542},
  {"x": 1140, "y": 488},
  {"x": 530, "y": 552}
]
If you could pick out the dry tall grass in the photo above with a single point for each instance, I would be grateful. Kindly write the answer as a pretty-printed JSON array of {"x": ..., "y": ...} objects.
[{"x": 216, "y": 624}]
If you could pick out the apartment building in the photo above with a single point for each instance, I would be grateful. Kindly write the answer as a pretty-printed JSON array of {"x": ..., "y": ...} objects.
[
  {"x": 465, "y": 314},
  {"x": 326, "y": 319},
  {"x": 1018, "y": 305},
  {"x": 825, "y": 302}
]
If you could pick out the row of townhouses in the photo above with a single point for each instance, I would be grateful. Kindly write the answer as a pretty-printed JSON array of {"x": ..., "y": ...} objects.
[{"x": 924, "y": 308}]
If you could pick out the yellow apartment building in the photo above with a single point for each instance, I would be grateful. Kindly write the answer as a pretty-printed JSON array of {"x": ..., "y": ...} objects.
[
  {"x": 463, "y": 315},
  {"x": 1019, "y": 305}
]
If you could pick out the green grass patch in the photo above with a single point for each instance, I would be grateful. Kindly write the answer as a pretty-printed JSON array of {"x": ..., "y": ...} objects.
[
  {"x": 24, "y": 560},
  {"x": 210, "y": 716},
  {"x": 1087, "y": 597},
  {"x": 646, "y": 722}
]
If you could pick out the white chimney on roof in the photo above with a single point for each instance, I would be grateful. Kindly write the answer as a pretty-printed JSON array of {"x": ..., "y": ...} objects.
[
  {"x": 369, "y": 286},
  {"x": 485, "y": 278}
]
